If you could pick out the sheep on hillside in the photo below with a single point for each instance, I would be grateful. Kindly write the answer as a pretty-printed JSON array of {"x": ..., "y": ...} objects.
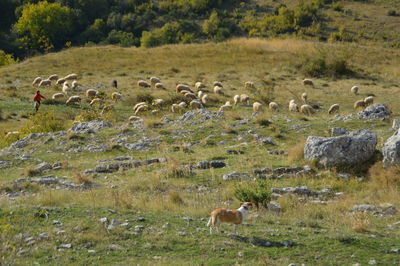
[
  {"x": 354, "y": 90},
  {"x": 195, "y": 104},
  {"x": 74, "y": 100},
  {"x": 45, "y": 83},
  {"x": 71, "y": 77},
  {"x": 144, "y": 84},
  {"x": 176, "y": 108},
  {"x": 369, "y": 100},
  {"x": 58, "y": 96},
  {"x": 182, "y": 104},
  {"x": 308, "y": 82},
  {"x": 107, "y": 109},
  {"x": 205, "y": 99},
  {"x": 217, "y": 83},
  {"x": 96, "y": 101},
  {"x": 181, "y": 87},
  {"x": 190, "y": 96},
  {"x": 12, "y": 134},
  {"x": 218, "y": 90},
  {"x": 307, "y": 109},
  {"x": 293, "y": 107},
  {"x": 304, "y": 97},
  {"x": 37, "y": 81},
  {"x": 199, "y": 85},
  {"x": 66, "y": 89},
  {"x": 200, "y": 94},
  {"x": 333, "y": 109},
  {"x": 273, "y": 106},
  {"x": 249, "y": 85},
  {"x": 74, "y": 84},
  {"x": 155, "y": 80},
  {"x": 116, "y": 96},
  {"x": 60, "y": 81},
  {"x": 53, "y": 77},
  {"x": 359, "y": 104},
  {"x": 158, "y": 102},
  {"x": 257, "y": 107},
  {"x": 91, "y": 93},
  {"x": 227, "y": 106},
  {"x": 236, "y": 99},
  {"x": 141, "y": 108},
  {"x": 134, "y": 118},
  {"x": 160, "y": 86},
  {"x": 138, "y": 105},
  {"x": 244, "y": 98}
]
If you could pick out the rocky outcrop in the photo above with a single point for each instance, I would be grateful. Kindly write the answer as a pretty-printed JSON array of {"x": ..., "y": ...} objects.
[
  {"x": 391, "y": 150},
  {"x": 375, "y": 111},
  {"x": 89, "y": 127}
]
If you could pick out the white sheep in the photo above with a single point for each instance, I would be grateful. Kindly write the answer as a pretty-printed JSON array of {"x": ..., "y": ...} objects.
[
  {"x": 134, "y": 118},
  {"x": 205, "y": 99},
  {"x": 304, "y": 97},
  {"x": 74, "y": 99},
  {"x": 307, "y": 109},
  {"x": 45, "y": 83},
  {"x": 138, "y": 105},
  {"x": 155, "y": 80},
  {"x": 308, "y": 82},
  {"x": 218, "y": 90},
  {"x": 236, "y": 99},
  {"x": 182, "y": 104},
  {"x": 107, "y": 109},
  {"x": 249, "y": 84},
  {"x": 293, "y": 107},
  {"x": 257, "y": 107},
  {"x": 227, "y": 106},
  {"x": 273, "y": 106},
  {"x": 217, "y": 83},
  {"x": 12, "y": 134},
  {"x": 359, "y": 104},
  {"x": 91, "y": 93},
  {"x": 142, "y": 108},
  {"x": 160, "y": 86},
  {"x": 354, "y": 90},
  {"x": 96, "y": 101},
  {"x": 183, "y": 92},
  {"x": 244, "y": 98},
  {"x": 199, "y": 85},
  {"x": 195, "y": 104},
  {"x": 37, "y": 81},
  {"x": 333, "y": 109},
  {"x": 144, "y": 84},
  {"x": 71, "y": 77},
  {"x": 53, "y": 77},
  {"x": 175, "y": 108},
  {"x": 190, "y": 96},
  {"x": 66, "y": 89},
  {"x": 181, "y": 87},
  {"x": 158, "y": 102},
  {"x": 116, "y": 96},
  {"x": 369, "y": 100},
  {"x": 60, "y": 81},
  {"x": 74, "y": 84},
  {"x": 200, "y": 94},
  {"x": 58, "y": 96}
]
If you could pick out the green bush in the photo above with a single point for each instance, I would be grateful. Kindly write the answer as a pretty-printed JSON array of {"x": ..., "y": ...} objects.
[
  {"x": 122, "y": 38},
  {"x": 43, "y": 121},
  {"x": 6, "y": 59},
  {"x": 260, "y": 194}
]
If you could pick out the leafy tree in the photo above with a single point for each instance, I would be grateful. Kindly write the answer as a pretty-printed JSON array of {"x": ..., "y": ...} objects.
[
  {"x": 45, "y": 25},
  {"x": 121, "y": 38},
  {"x": 211, "y": 25},
  {"x": 6, "y": 59},
  {"x": 95, "y": 32}
]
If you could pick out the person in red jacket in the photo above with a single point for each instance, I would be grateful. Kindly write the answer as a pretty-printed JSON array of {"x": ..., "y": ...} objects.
[{"x": 37, "y": 98}]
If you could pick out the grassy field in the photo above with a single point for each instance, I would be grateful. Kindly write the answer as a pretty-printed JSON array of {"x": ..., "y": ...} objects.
[{"x": 172, "y": 205}]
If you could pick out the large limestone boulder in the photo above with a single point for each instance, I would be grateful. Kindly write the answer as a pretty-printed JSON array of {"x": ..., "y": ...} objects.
[
  {"x": 375, "y": 111},
  {"x": 391, "y": 150},
  {"x": 350, "y": 149},
  {"x": 89, "y": 127}
]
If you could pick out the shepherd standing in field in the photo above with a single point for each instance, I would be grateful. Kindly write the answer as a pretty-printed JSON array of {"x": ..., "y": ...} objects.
[{"x": 37, "y": 98}]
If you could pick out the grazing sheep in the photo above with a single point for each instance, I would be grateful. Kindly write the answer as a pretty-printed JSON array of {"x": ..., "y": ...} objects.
[
  {"x": 142, "y": 108},
  {"x": 155, "y": 80},
  {"x": 200, "y": 94},
  {"x": 249, "y": 84},
  {"x": 66, "y": 89},
  {"x": 175, "y": 108},
  {"x": 182, "y": 104},
  {"x": 227, "y": 106},
  {"x": 273, "y": 106},
  {"x": 181, "y": 87},
  {"x": 293, "y": 107},
  {"x": 244, "y": 98},
  {"x": 199, "y": 85},
  {"x": 218, "y": 90},
  {"x": 195, "y": 104},
  {"x": 308, "y": 82},
  {"x": 359, "y": 104},
  {"x": 107, "y": 109},
  {"x": 116, "y": 96},
  {"x": 333, "y": 109},
  {"x": 114, "y": 83},
  {"x": 58, "y": 96},
  {"x": 304, "y": 97},
  {"x": 158, "y": 102},
  {"x": 205, "y": 99},
  {"x": 73, "y": 100},
  {"x": 354, "y": 90},
  {"x": 134, "y": 118},
  {"x": 138, "y": 105},
  {"x": 183, "y": 92},
  {"x": 369, "y": 100},
  {"x": 144, "y": 84},
  {"x": 236, "y": 99},
  {"x": 154, "y": 112},
  {"x": 95, "y": 101},
  {"x": 45, "y": 83},
  {"x": 37, "y": 81},
  {"x": 217, "y": 83},
  {"x": 12, "y": 134},
  {"x": 60, "y": 81},
  {"x": 91, "y": 93},
  {"x": 190, "y": 96},
  {"x": 307, "y": 109},
  {"x": 257, "y": 107},
  {"x": 160, "y": 86},
  {"x": 53, "y": 77},
  {"x": 71, "y": 77}
]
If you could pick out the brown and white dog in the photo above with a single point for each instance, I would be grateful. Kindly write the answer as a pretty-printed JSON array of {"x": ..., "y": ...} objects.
[{"x": 235, "y": 217}]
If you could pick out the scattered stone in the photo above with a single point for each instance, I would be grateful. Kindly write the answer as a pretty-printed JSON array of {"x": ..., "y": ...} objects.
[
  {"x": 57, "y": 223},
  {"x": 89, "y": 127},
  {"x": 126, "y": 165},
  {"x": 277, "y": 152},
  {"x": 383, "y": 210},
  {"x": 91, "y": 251},
  {"x": 351, "y": 149},
  {"x": 181, "y": 233},
  {"x": 44, "y": 236},
  {"x": 265, "y": 140},
  {"x": 114, "y": 223},
  {"x": 236, "y": 176},
  {"x": 141, "y": 219},
  {"x": 372, "y": 262},
  {"x": 391, "y": 150},
  {"x": 395, "y": 250},
  {"x": 344, "y": 176},
  {"x": 235, "y": 152},
  {"x": 64, "y": 246},
  {"x": 210, "y": 164},
  {"x": 396, "y": 124},
  {"x": 275, "y": 207},
  {"x": 375, "y": 111},
  {"x": 139, "y": 228},
  {"x": 52, "y": 180},
  {"x": 104, "y": 220},
  {"x": 115, "y": 247},
  {"x": 303, "y": 191},
  {"x": 337, "y": 131},
  {"x": 166, "y": 225},
  {"x": 43, "y": 167},
  {"x": 217, "y": 164}
]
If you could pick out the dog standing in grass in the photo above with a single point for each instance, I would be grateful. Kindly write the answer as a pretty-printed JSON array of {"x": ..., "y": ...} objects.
[{"x": 235, "y": 217}]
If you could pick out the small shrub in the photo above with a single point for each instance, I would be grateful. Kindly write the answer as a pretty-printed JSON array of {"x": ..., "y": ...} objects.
[
  {"x": 44, "y": 122},
  {"x": 175, "y": 198},
  {"x": 80, "y": 178},
  {"x": 177, "y": 171},
  {"x": 360, "y": 222},
  {"x": 296, "y": 153},
  {"x": 260, "y": 194},
  {"x": 387, "y": 177}
]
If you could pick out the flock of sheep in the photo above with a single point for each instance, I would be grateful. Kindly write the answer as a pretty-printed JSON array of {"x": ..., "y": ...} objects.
[{"x": 196, "y": 100}]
